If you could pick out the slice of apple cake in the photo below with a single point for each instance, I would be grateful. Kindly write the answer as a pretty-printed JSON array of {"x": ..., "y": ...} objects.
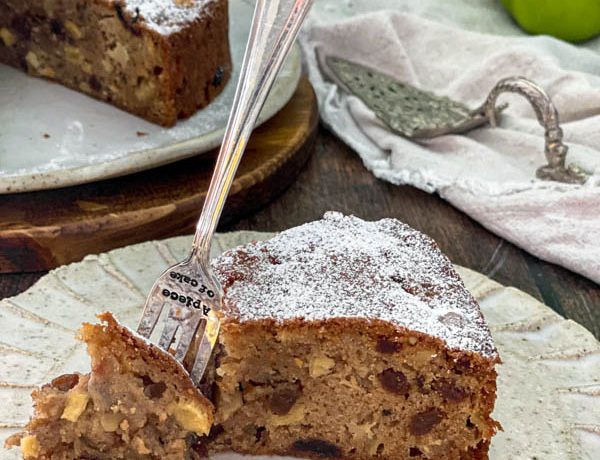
[
  {"x": 351, "y": 339},
  {"x": 137, "y": 403}
]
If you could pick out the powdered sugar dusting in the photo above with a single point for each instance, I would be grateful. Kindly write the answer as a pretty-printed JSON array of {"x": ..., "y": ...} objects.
[
  {"x": 167, "y": 16},
  {"x": 342, "y": 266}
]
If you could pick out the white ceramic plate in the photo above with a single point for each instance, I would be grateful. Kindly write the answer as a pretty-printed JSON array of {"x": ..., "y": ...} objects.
[
  {"x": 90, "y": 140},
  {"x": 548, "y": 386}
]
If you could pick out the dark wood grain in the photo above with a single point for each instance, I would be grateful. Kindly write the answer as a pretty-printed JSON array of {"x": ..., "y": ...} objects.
[
  {"x": 41, "y": 230},
  {"x": 335, "y": 179}
]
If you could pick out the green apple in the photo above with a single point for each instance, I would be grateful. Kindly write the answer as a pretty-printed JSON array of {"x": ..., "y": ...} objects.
[{"x": 571, "y": 20}]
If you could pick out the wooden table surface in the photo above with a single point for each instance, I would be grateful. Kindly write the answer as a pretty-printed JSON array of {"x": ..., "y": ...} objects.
[{"x": 335, "y": 179}]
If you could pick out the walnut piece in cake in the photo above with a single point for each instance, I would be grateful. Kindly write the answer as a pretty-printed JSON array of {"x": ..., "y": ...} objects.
[
  {"x": 159, "y": 59},
  {"x": 137, "y": 403},
  {"x": 351, "y": 339}
]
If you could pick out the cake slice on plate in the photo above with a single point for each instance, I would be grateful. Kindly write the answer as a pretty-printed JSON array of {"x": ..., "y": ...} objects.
[
  {"x": 339, "y": 339},
  {"x": 159, "y": 59},
  {"x": 351, "y": 339},
  {"x": 137, "y": 403}
]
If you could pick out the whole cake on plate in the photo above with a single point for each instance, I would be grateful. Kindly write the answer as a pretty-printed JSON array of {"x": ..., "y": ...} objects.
[
  {"x": 159, "y": 59},
  {"x": 348, "y": 339}
]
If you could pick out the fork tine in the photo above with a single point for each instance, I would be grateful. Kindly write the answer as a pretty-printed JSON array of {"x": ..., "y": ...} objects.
[
  {"x": 152, "y": 310},
  {"x": 189, "y": 329},
  {"x": 169, "y": 330},
  {"x": 207, "y": 344}
]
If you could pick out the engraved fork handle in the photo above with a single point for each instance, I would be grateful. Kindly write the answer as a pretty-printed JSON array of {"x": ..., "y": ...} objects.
[{"x": 274, "y": 27}]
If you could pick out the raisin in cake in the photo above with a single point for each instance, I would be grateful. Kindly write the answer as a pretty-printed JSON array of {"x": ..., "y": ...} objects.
[
  {"x": 351, "y": 339},
  {"x": 137, "y": 403},
  {"x": 159, "y": 59}
]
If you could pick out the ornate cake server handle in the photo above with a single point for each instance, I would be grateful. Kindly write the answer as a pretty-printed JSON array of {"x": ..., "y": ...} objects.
[
  {"x": 547, "y": 115},
  {"x": 190, "y": 291}
]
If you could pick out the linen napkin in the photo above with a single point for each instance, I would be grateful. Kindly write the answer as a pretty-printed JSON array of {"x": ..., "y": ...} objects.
[{"x": 489, "y": 173}]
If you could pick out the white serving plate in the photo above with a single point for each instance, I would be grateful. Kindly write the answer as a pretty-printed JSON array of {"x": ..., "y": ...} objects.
[
  {"x": 548, "y": 385},
  {"x": 91, "y": 140}
]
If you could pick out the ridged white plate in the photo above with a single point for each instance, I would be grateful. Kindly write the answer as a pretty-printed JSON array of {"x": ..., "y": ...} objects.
[
  {"x": 548, "y": 387},
  {"x": 91, "y": 140}
]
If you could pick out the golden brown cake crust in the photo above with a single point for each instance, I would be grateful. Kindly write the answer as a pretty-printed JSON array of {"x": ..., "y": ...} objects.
[{"x": 161, "y": 60}]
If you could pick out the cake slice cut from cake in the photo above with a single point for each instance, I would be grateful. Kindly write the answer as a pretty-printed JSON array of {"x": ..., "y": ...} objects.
[
  {"x": 339, "y": 339},
  {"x": 137, "y": 403},
  {"x": 159, "y": 59},
  {"x": 351, "y": 339}
]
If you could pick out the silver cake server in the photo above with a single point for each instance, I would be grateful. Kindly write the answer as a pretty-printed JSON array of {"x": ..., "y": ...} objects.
[{"x": 417, "y": 114}]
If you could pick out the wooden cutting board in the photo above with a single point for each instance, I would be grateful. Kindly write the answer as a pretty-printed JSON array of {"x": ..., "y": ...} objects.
[{"x": 42, "y": 230}]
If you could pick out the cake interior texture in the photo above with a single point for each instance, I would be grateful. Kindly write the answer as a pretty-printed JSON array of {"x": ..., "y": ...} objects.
[
  {"x": 137, "y": 403},
  {"x": 159, "y": 59},
  {"x": 350, "y": 389}
]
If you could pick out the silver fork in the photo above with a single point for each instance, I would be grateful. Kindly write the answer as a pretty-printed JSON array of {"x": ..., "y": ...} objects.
[{"x": 190, "y": 290}]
